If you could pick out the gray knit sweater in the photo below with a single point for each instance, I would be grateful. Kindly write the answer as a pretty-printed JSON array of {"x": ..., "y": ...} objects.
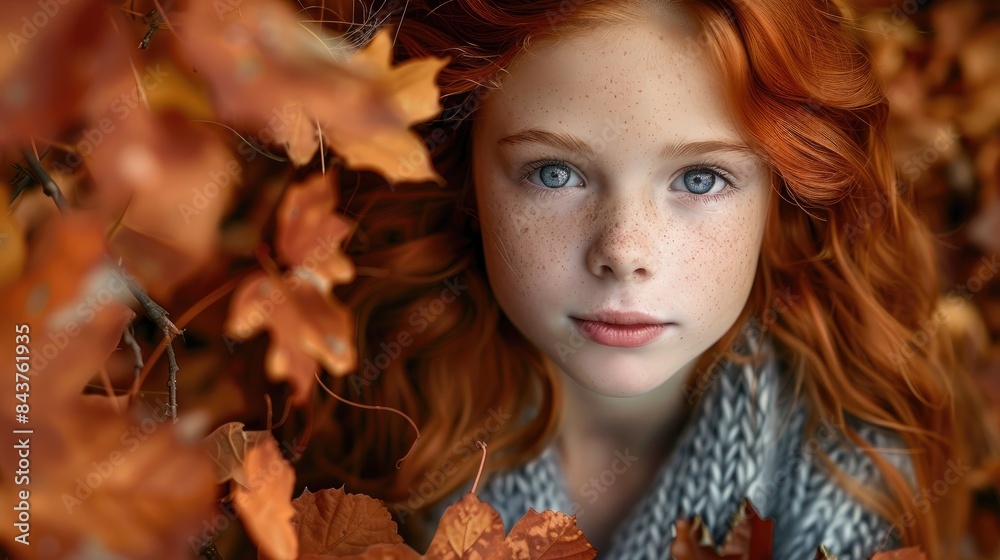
[{"x": 744, "y": 440}]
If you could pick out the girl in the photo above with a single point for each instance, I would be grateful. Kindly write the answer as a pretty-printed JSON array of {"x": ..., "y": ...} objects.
[{"x": 671, "y": 269}]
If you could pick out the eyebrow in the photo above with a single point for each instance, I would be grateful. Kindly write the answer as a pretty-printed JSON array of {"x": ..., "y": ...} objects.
[{"x": 574, "y": 144}]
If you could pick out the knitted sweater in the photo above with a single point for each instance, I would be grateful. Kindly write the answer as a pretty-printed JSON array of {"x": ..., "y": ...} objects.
[{"x": 745, "y": 439}]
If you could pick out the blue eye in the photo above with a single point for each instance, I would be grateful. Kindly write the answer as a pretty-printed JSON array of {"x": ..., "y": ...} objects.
[
  {"x": 552, "y": 175},
  {"x": 701, "y": 181}
]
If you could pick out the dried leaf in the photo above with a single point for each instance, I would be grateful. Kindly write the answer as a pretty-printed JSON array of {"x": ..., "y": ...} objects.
[
  {"x": 53, "y": 56},
  {"x": 228, "y": 446},
  {"x": 309, "y": 233},
  {"x": 749, "y": 538},
  {"x": 547, "y": 536},
  {"x": 265, "y": 502},
  {"x": 13, "y": 249},
  {"x": 331, "y": 522},
  {"x": 307, "y": 327},
  {"x": 467, "y": 528},
  {"x": 123, "y": 484},
  {"x": 167, "y": 182},
  {"x": 376, "y": 552},
  {"x": 269, "y": 69}
]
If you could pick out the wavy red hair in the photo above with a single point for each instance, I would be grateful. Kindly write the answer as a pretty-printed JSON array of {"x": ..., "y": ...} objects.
[{"x": 841, "y": 236}]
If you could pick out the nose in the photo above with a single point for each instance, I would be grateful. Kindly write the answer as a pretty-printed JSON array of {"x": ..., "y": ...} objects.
[{"x": 623, "y": 244}]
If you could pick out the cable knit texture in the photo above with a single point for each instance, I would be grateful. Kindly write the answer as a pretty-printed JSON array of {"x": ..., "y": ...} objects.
[{"x": 745, "y": 439}]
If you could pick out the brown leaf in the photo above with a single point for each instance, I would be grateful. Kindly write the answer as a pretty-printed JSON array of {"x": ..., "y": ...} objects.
[
  {"x": 376, "y": 552},
  {"x": 307, "y": 327},
  {"x": 168, "y": 183},
  {"x": 749, "y": 538},
  {"x": 126, "y": 485},
  {"x": 268, "y": 69},
  {"x": 52, "y": 57},
  {"x": 70, "y": 249},
  {"x": 467, "y": 528},
  {"x": 13, "y": 249},
  {"x": 265, "y": 502},
  {"x": 309, "y": 233},
  {"x": 228, "y": 446},
  {"x": 333, "y": 523},
  {"x": 548, "y": 535},
  {"x": 410, "y": 89}
]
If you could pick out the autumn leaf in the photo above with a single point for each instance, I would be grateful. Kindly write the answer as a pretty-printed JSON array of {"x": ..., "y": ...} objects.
[
  {"x": 264, "y": 504},
  {"x": 270, "y": 70},
  {"x": 123, "y": 484},
  {"x": 228, "y": 446},
  {"x": 13, "y": 249},
  {"x": 308, "y": 328},
  {"x": 309, "y": 232},
  {"x": 165, "y": 183},
  {"x": 333, "y": 523},
  {"x": 52, "y": 57},
  {"x": 467, "y": 528},
  {"x": 749, "y": 538},
  {"x": 547, "y": 536}
]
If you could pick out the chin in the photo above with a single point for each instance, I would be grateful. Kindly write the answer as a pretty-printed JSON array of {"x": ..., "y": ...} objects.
[{"x": 621, "y": 384}]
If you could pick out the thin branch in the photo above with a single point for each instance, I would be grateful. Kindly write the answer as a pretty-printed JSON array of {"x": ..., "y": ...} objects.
[
  {"x": 153, "y": 310},
  {"x": 48, "y": 185},
  {"x": 209, "y": 551},
  {"x": 172, "y": 381},
  {"x": 129, "y": 337}
]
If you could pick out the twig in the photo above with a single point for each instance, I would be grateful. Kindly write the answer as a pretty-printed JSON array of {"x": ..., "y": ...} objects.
[
  {"x": 48, "y": 185},
  {"x": 209, "y": 551},
  {"x": 159, "y": 316},
  {"x": 128, "y": 335},
  {"x": 153, "y": 310}
]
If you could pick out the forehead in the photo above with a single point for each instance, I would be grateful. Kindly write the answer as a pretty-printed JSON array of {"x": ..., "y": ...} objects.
[{"x": 655, "y": 79}]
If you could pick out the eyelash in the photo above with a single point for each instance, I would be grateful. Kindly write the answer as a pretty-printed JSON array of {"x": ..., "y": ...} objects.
[{"x": 711, "y": 167}]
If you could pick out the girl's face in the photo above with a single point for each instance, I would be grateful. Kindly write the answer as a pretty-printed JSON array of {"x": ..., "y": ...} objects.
[{"x": 609, "y": 177}]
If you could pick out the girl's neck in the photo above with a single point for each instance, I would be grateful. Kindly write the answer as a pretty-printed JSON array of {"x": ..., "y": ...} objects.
[{"x": 646, "y": 424}]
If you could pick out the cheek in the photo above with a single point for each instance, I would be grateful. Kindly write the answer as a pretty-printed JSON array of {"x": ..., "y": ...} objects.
[
  {"x": 723, "y": 263},
  {"x": 522, "y": 249}
]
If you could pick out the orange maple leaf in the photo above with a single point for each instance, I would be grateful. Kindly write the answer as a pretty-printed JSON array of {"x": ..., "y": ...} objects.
[
  {"x": 309, "y": 232},
  {"x": 307, "y": 327},
  {"x": 265, "y": 502},
  {"x": 268, "y": 68},
  {"x": 468, "y": 529},
  {"x": 334, "y": 523}
]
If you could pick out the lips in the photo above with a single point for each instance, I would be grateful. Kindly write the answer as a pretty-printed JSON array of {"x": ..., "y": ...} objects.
[{"x": 621, "y": 329}]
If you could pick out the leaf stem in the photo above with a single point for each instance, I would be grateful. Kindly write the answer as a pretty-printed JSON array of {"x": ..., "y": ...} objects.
[{"x": 481, "y": 445}]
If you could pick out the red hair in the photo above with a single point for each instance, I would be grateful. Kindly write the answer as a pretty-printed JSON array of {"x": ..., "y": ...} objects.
[{"x": 841, "y": 236}]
